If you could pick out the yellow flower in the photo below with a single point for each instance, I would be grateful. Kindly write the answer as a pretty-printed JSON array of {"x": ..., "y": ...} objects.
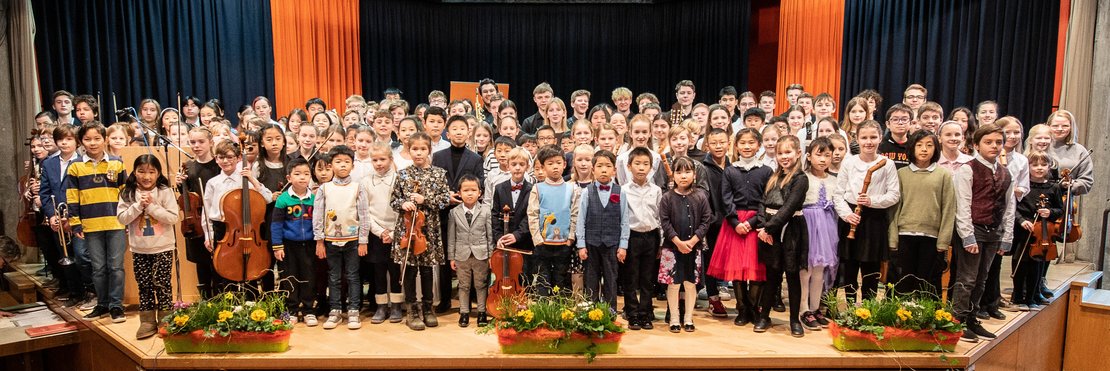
[
  {"x": 258, "y": 315},
  {"x": 596, "y": 314},
  {"x": 224, "y": 316},
  {"x": 229, "y": 296},
  {"x": 180, "y": 320},
  {"x": 942, "y": 315},
  {"x": 209, "y": 305},
  {"x": 555, "y": 290},
  {"x": 527, "y": 315},
  {"x": 863, "y": 313},
  {"x": 904, "y": 314},
  {"x": 567, "y": 315}
]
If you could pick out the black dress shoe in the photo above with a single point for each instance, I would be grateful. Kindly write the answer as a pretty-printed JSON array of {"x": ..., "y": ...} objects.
[
  {"x": 689, "y": 327},
  {"x": 762, "y": 324},
  {"x": 996, "y": 314},
  {"x": 97, "y": 312},
  {"x": 676, "y": 328},
  {"x": 982, "y": 314},
  {"x": 634, "y": 324},
  {"x": 483, "y": 320},
  {"x": 646, "y": 325},
  {"x": 796, "y": 329},
  {"x": 464, "y": 319},
  {"x": 743, "y": 318},
  {"x": 779, "y": 307}
]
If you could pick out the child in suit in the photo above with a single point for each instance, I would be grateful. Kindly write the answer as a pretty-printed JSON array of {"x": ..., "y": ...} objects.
[
  {"x": 469, "y": 247},
  {"x": 514, "y": 194},
  {"x": 599, "y": 245},
  {"x": 457, "y": 160}
]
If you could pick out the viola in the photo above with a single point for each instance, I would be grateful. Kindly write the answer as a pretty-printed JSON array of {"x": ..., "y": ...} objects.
[
  {"x": 1045, "y": 232},
  {"x": 414, "y": 236},
  {"x": 1073, "y": 232},
  {"x": 241, "y": 255},
  {"x": 191, "y": 209},
  {"x": 507, "y": 265}
]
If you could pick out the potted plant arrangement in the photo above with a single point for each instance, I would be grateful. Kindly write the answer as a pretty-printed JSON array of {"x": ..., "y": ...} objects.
[
  {"x": 559, "y": 324},
  {"x": 228, "y": 323},
  {"x": 901, "y": 323}
]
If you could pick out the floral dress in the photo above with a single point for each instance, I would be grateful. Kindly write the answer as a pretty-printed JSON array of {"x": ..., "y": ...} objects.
[{"x": 432, "y": 183}]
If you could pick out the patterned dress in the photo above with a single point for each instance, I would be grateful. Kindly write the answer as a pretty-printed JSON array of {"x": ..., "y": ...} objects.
[{"x": 433, "y": 186}]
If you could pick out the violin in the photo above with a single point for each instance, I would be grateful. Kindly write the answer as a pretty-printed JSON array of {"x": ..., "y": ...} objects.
[
  {"x": 191, "y": 209},
  {"x": 507, "y": 265},
  {"x": 241, "y": 255},
  {"x": 414, "y": 236},
  {"x": 25, "y": 232},
  {"x": 1073, "y": 232},
  {"x": 1045, "y": 232}
]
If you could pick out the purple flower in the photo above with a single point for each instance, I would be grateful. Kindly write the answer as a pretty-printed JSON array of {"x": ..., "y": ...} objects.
[{"x": 180, "y": 305}]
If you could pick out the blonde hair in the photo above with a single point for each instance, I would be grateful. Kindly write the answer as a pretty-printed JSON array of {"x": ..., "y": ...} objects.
[
  {"x": 119, "y": 126},
  {"x": 1034, "y": 131},
  {"x": 519, "y": 153},
  {"x": 560, "y": 125},
  {"x": 1070, "y": 139},
  {"x": 582, "y": 149},
  {"x": 621, "y": 92},
  {"x": 1010, "y": 120}
]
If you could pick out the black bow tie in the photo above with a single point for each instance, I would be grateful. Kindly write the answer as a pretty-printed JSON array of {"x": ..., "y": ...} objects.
[{"x": 603, "y": 187}]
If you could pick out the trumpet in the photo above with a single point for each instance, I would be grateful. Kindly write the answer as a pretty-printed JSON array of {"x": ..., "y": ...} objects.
[{"x": 62, "y": 212}]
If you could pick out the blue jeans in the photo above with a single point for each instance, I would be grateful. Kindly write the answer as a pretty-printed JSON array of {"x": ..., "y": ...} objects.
[
  {"x": 84, "y": 265},
  {"x": 105, "y": 251},
  {"x": 343, "y": 261}
]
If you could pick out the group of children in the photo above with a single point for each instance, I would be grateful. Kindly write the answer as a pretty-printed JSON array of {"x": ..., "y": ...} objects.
[{"x": 606, "y": 201}]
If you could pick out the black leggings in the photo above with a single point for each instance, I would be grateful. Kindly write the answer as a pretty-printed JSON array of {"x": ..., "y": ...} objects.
[
  {"x": 387, "y": 275},
  {"x": 425, "y": 284},
  {"x": 850, "y": 269},
  {"x": 794, "y": 290}
]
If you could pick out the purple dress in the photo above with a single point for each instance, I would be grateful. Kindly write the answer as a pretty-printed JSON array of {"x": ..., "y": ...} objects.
[{"x": 823, "y": 236}]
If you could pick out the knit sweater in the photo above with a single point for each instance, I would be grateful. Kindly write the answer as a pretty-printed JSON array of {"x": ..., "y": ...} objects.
[
  {"x": 150, "y": 228},
  {"x": 927, "y": 206},
  {"x": 292, "y": 218}
]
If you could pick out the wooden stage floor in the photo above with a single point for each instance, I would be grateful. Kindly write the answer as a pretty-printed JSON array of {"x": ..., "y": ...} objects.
[{"x": 717, "y": 344}]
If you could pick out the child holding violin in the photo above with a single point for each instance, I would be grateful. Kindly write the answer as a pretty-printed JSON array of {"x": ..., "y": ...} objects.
[
  {"x": 1032, "y": 211},
  {"x": 341, "y": 215},
  {"x": 418, "y": 194}
]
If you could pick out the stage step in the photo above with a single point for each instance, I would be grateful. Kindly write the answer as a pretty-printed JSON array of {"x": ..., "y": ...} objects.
[{"x": 21, "y": 287}]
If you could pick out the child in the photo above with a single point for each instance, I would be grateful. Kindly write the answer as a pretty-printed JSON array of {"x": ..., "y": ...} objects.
[
  {"x": 149, "y": 209},
  {"x": 839, "y": 150},
  {"x": 500, "y": 173},
  {"x": 684, "y": 214},
  {"x": 481, "y": 142},
  {"x": 857, "y": 109},
  {"x": 469, "y": 245},
  {"x": 640, "y": 132},
  {"x": 930, "y": 115},
  {"x": 230, "y": 179},
  {"x": 364, "y": 139},
  {"x": 1018, "y": 166},
  {"x": 514, "y": 194},
  {"x": 434, "y": 120},
  {"x": 421, "y": 187},
  {"x": 528, "y": 142},
  {"x": 52, "y": 192},
  {"x": 1027, "y": 270},
  {"x": 341, "y": 215},
  {"x": 456, "y": 161},
  {"x": 598, "y": 210},
  {"x": 984, "y": 221},
  {"x": 382, "y": 123},
  {"x": 796, "y": 119},
  {"x": 714, "y": 162},
  {"x": 194, "y": 176},
  {"x": 92, "y": 194},
  {"x": 583, "y": 160},
  {"x": 893, "y": 146},
  {"x": 119, "y": 135},
  {"x": 387, "y": 274},
  {"x": 292, "y": 234},
  {"x": 770, "y": 135},
  {"x": 735, "y": 257},
  {"x": 865, "y": 253},
  {"x": 552, "y": 214},
  {"x": 507, "y": 128},
  {"x": 640, "y": 269},
  {"x": 409, "y": 125},
  {"x": 784, "y": 247},
  {"x": 921, "y": 225},
  {"x": 86, "y": 108},
  {"x": 820, "y": 209},
  {"x": 270, "y": 171},
  {"x": 607, "y": 138},
  {"x": 306, "y": 140}
]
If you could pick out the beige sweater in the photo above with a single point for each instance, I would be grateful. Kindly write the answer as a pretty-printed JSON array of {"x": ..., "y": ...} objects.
[{"x": 150, "y": 230}]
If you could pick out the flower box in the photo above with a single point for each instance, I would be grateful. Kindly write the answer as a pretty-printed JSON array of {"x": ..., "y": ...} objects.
[
  {"x": 547, "y": 341},
  {"x": 235, "y": 342},
  {"x": 894, "y": 339}
]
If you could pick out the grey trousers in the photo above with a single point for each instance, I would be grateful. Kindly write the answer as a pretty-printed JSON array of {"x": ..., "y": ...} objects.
[
  {"x": 971, "y": 277},
  {"x": 473, "y": 271}
]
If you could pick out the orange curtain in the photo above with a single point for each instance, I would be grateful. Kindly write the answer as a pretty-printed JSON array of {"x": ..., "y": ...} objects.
[
  {"x": 810, "y": 38},
  {"x": 316, "y": 53}
]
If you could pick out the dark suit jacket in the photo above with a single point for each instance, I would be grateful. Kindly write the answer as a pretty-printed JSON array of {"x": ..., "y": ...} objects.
[
  {"x": 518, "y": 221},
  {"x": 470, "y": 163},
  {"x": 52, "y": 183}
]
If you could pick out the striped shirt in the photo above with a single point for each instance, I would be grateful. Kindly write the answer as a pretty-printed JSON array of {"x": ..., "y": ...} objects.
[{"x": 92, "y": 192}]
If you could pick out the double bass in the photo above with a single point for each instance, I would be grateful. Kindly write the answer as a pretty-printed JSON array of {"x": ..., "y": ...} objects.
[
  {"x": 507, "y": 264},
  {"x": 241, "y": 255}
]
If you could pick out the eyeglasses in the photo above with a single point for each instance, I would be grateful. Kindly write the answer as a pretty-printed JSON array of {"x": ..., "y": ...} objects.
[
  {"x": 915, "y": 97},
  {"x": 902, "y": 120}
]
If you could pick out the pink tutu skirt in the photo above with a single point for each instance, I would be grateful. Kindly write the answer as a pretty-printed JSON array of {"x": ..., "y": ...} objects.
[{"x": 735, "y": 256}]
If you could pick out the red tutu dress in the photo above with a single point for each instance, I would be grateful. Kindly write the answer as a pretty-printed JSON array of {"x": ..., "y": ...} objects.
[{"x": 735, "y": 257}]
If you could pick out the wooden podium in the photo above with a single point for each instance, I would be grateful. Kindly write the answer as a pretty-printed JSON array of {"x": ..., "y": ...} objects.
[{"x": 188, "y": 272}]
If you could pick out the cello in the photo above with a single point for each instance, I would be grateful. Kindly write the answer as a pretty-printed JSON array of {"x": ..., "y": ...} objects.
[
  {"x": 241, "y": 255},
  {"x": 507, "y": 265}
]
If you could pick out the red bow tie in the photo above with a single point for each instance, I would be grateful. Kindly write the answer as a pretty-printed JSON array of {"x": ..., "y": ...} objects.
[
  {"x": 517, "y": 187},
  {"x": 603, "y": 187}
]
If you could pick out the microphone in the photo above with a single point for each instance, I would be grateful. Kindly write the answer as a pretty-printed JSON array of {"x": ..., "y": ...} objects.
[{"x": 126, "y": 111}]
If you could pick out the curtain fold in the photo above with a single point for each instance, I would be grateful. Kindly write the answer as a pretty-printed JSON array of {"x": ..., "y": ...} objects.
[
  {"x": 419, "y": 46},
  {"x": 316, "y": 54},
  {"x": 962, "y": 51},
  {"x": 1075, "y": 94},
  {"x": 810, "y": 38},
  {"x": 156, "y": 49}
]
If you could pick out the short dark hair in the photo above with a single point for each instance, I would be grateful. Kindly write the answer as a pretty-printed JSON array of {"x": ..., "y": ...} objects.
[
  {"x": 984, "y": 130},
  {"x": 486, "y": 81},
  {"x": 454, "y": 119},
  {"x": 918, "y": 136},
  {"x": 90, "y": 100},
  {"x": 312, "y": 101},
  {"x": 899, "y": 107},
  {"x": 341, "y": 150},
  {"x": 638, "y": 152},
  {"x": 468, "y": 177},
  {"x": 504, "y": 141},
  {"x": 605, "y": 154},
  {"x": 755, "y": 111},
  {"x": 392, "y": 90},
  {"x": 545, "y": 127},
  {"x": 525, "y": 138},
  {"x": 434, "y": 110},
  {"x": 728, "y": 90},
  {"x": 547, "y": 153},
  {"x": 91, "y": 126},
  {"x": 296, "y": 162}
]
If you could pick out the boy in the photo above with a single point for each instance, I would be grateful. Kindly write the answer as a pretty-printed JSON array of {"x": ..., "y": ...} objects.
[
  {"x": 341, "y": 215},
  {"x": 600, "y": 206},
  {"x": 930, "y": 116},
  {"x": 230, "y": 179},
  {"x": 984, "y": 221},
  {"x": 767, "y": 103},
  {"x": 727, "y": 98},
  {"x": 458, "y": 161},
  {"x": 644, "y": 98},
  {"x": 622, "y": 100},
  {"x": 753, "y": 118},
  {"x": 469, "y": 243},
  {"x": 437, "y": 99},
  {"x": 793, "y": 91},
  {"x": 914, "y": 96},
  {"x": 545, "y": 136},
  {"x": 292, "y": 236},
  {"x": 579, "y": 103},
  {"x": 86, "y": 109},
  {"x": 552, "y": 214},
  {"x": 805, "y": 100},
  {"x": 641, "y": 268},
  {"x": 382, "y": 122},
  {"x": 434, "y": 120},
  {"x": 714, "y": 162},
  {"x": 356, "y": 102},
  {"x": 684, "y": 94},
  {"x": 501, "y": 173},
  {"x": 63, "y": 107},
  {"x": 893, "y": 145},
  {"x": 541, "y": 95},
  {"x": 52, "y": 192},
  {"x": 314, "y": 106},
  {"x": 529, "y": 143},
  {"x": 514, "y": 194},
  {"x": 823, "y": 106}
]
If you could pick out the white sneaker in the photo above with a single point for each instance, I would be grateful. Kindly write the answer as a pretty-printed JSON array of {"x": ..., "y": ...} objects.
[
  {"x": 353, "y": 322},
  {"x": 724, "y": 294},
  {"x": 310, "y": 320},
  {"x": 88, "y": 304},
  {"x": 293, "y": 319},
  {"x": 333, "y": 319}
]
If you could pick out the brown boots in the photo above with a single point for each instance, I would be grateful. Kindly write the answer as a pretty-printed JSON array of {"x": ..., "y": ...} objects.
[{"x": 148, "y": 324}]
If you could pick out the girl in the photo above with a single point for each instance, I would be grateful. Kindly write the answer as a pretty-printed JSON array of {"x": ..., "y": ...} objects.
[
  {"x": 840, "y": 149},
  {"x": 966, "y": 119},
  {"x": 168, "y": 117},
  {"x": 922, "y": 223},
  {"x": 322, "y": 121},
  {"x": 952, "y": 145},
  {"x": 291, "y": 146},
  {"x": 556, "y": 116},
  {"x": 734, "y": 256},
  {"x": 210, "y": 110},
  {"x": 700, "y": 113},
  {"x": 1068, "y": 153},
  {"x": 581, "y": 133},
  {"x": 784, "y": 247},
  {"x": 684, "y": 215},
  {"x": 770, "y": 136},
  {"x": 986, "y": 112},
  {"x": 481, "y": 142},
  {"x": 387, "y": 274},
  {"x": 220, "y": 131},
  {"x": 269, "y": 169},
  {"x": 119, "y": 135},
  {"x": 507, "y": 109},
  {"x": 149, "y": 209},
  {"x": 796, "y": 118},
  {"x": 582, "y": 171},
  {"x": 409, "y": 125},
  {"x": 351, "y": 118},
  {"x": 508, "y": 128},
  {"x": 149, "y": 110},
  {"x": 420, "y": 187},
  {"x": 363, "y": 161},
  {"x": 1015, "y": 161},
  {"x": 263, "y": 109},
  {"x": 858, "y": 111},
  {"x": 866, "y": 252},
  {"x": 660, "y": 127},
  {"x": 333, "y": 136},
  {"x": 607, "y": 138},
  {"x": 678, "y": 143},
  {"x": 296, "y": 117},
  {"x": 1040, "y": 140},
  {"x": 620, "y": 122},
  {"x": 178, "y": 133},
  {"x": 598, "y": 116},
  {"x": 719, "y": 118},
  {"x": 92, "y": 193},
  {"x": 820, "y": 210}
]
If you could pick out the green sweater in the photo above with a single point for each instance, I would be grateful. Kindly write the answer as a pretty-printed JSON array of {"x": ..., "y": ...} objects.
[{"x": 927, "y": 207}]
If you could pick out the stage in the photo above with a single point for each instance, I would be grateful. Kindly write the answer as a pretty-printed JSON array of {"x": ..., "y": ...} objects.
[{"x": 717, "y": 344}]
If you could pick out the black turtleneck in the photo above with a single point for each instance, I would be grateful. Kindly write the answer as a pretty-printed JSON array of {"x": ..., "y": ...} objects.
[{"x": 456, "y": 156}]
